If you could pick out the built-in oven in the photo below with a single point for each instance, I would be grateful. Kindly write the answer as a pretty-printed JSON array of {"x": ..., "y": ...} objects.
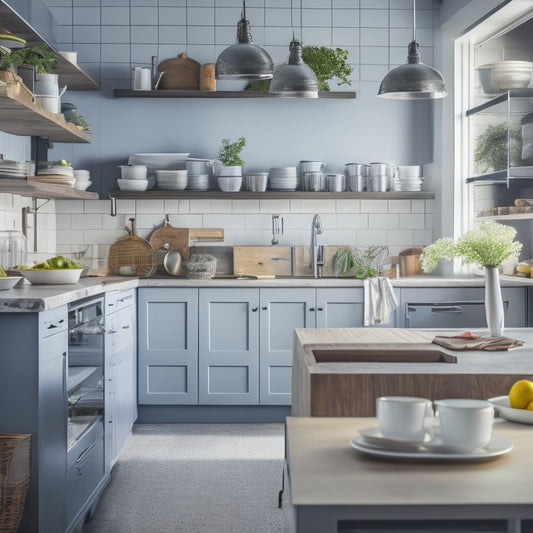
[{"x": 85, "y": 401}]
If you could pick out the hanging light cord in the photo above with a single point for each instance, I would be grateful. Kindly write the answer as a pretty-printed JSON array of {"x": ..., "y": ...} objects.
[{"x": 414, "y": 20}]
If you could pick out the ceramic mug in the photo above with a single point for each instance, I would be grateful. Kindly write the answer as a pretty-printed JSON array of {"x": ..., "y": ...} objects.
[
  {"x": 465, "y": 424},
  {"x": 405, "y": 418}
]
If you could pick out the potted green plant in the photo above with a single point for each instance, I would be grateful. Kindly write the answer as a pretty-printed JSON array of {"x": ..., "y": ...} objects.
[
  {"x": 491, "y": 149},
  {"x": 229, "y": 159},
  {"x": 327, "y": 63}
]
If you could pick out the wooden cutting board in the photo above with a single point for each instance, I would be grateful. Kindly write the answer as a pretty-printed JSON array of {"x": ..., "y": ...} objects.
[
  {"x": 180, "y": 73},
  {"x": 169, "y": 238},
  {"x": 262, "y": 260}
]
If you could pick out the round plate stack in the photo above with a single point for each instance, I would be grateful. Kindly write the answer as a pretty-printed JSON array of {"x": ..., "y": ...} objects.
[
  {"x": 283, "y": 179},
  {"x": 171, "y": 180},
  {"x": 59, "y": 175}
]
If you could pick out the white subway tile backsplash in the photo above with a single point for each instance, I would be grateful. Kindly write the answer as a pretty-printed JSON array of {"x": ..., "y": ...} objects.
[
  {"x": 422, "y": 237},
  {"x": 382, "y": 221},
  {"x": 245, "y": 206},
  {"x": 71, "y": 236},
  {"x": 371, "y": 237},
  {"x": 374, "y": 206},
  {"x": 69, "y": 206},
  {"x": 415, "y": 221},
  {"x": 418, "y": 206},
  {"x": 274, "y": 206},
  {"x": 200, "y": 206},
  {"x": 125, "y": 206},
  {"x": 399, "y": 236},
  {"x": 223, "y": 221},
  {"x": 221, "y": 206},
  {"x": 313, "y": 206},
  {"x": 353, "y": 222},
  {"x": 399, "y": 206},
  {"x": 150, "y": 206},
  {"x": 347, "y": 206}
]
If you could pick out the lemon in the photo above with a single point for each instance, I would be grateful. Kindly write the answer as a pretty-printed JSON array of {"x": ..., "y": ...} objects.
[
  {"x": 521, "y": 394},
  {"x": 529, "y": 406},
  {"x": 523, "y": 267}
]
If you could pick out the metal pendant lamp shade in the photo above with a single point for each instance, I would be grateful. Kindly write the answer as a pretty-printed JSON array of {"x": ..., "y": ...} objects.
[
  {"x": 295, "y": 78},
  {"x": 414, "y": 80},
  {"x": 244, "y": 60}
]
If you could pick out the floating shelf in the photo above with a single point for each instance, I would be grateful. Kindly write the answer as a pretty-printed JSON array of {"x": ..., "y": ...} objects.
[
  {"x": 269, "y": 195},
  {"x": 35, "y": 189},
  {"x": 128, "y": 93},
  {"x": 20, "y": 116},
  {"x": 69, "y": 74}
]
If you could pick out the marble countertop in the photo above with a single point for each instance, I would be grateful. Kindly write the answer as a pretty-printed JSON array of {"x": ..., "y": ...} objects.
[{"x": 35, "y": 298}]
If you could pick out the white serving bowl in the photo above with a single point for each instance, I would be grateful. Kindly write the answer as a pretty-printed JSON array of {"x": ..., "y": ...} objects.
[
  {"x": 230, "y": 183},
  {"x": 82, "y": 185},
  {"x": 512, "y": 74},
  {"x": 82, "y": 175},
  {"x": 157, "y": 161},
  {"x": 52, "y": 277},
  {"x": 133, "y": 172},
  {"x": 523, "y": 416},
  {"x": 171, "y": 174},
  {"x": 8, "y": 282},
  {"x": 132, "y": 185}
]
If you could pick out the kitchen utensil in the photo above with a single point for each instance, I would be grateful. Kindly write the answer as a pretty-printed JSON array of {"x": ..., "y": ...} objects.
[
  {"x": 410, "y": 261},
  {"x": 172, "y": 263},
  {"x": 356, "y": 183},
  {"x": 313, "y": 181},
  {"x": 403, "y": 417},
  {"x": 168, "y": 238},
  {"x": 181, "y": 73},
  {"x": 131, "y": 251},
  {"x": 335, "y": 182},
  {"x": 357, "y": 169},
  {"x": 256, "y": 182},
  {"x": 142, "y": 79},
  {"x": 200, "y": 266}
]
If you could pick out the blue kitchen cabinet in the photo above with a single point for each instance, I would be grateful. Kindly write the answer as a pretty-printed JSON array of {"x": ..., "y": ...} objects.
[
  {"x": 168, "y": 346},
  {"x": 228, "y": 359},
  {"x": 32, "y": 393},
  {"x": 282, "y": 310},
  {"x": 458, "y": 307}
]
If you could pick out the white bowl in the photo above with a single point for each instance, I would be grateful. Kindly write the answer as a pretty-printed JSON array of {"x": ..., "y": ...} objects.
[
  {"x": 82, "y": 175},
  {"x": 82, "y": 185},
  {"x": 132, "y": 185},
  {"x": 8, "y": 282},
  {"x": 172, "y": 174},
  {"x": 523, "y": 416},
  {"x": 511, "y": 74},
  {"x": 156, "y": 161},
  {"x": 230, "y": 183},
  {"x": 52, "y": 277},
  {"x": 133, "y": 172}
]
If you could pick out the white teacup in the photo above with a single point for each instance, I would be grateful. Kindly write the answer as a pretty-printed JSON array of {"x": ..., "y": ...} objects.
[
  {"x": 404, "y": 417},
  {"x": 465, "y": 424}
]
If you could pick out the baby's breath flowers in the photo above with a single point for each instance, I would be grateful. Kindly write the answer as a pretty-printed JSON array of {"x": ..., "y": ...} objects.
[{"x": 489, "y": 244}]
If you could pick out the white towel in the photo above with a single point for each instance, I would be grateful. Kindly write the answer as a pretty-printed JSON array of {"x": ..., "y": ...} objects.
[{"x": 380, "y": 300}]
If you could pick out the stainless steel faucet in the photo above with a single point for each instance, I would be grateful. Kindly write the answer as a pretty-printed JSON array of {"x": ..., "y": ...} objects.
[{"x": 316, "y": 229}]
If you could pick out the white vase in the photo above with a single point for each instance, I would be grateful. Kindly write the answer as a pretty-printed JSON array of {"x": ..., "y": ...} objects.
[{"x": 493, "y": 302}]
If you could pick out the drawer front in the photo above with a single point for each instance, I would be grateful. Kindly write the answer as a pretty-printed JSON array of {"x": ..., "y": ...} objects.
[
  {"x": 53, "y": 321},
  {"x": 125, "y": 298}
]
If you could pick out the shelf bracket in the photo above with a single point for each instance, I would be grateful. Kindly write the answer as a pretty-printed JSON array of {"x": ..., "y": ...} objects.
[
  {"x": 31, "y": 211},
  {"x": 113, "y": 212}
]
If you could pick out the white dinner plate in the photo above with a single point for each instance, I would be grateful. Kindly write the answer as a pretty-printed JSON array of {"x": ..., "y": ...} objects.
[
  {"x": 497, "y": 446},
  {"x": 501, "y": 403},
  {"x": 374, "y": 436}
]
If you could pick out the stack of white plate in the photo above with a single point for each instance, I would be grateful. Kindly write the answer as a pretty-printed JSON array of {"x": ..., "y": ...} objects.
[
  {"x": 283, "y": 179},
  {"x": 198, "y": 182},
  {"x": 171, "y": 180},
  {"x": 408, "y": 184},
  {"x": 58, "y": 175},
  {"x": 159, "y": 161},
  {"x": 83, "y": 179},
  {"x": 16, "y": 169}
]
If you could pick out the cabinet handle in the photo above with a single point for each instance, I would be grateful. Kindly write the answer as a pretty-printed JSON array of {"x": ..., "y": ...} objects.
[
  {"x": 265, "y": 308},
  {"x": 125, "y": 298},
  {"x": 311, "y": 309},
  {"x": 126, "y": 327},
  {"x": 320, "y": 309},
  {"x": 254, "y": 309},
  {"x": 111, "y": 331},
  {"x": 84, "y": 453}
]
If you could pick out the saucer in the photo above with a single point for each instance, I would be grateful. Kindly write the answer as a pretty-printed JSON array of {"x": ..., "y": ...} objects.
[
  {"x": 374, "y": 436},
  {"x": 497, "y": 446}
]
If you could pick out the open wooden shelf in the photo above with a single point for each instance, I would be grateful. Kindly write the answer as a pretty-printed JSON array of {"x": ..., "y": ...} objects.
[
  {"x": 35, "y": 189},
  {"x": 75, "y": 78},
  {"x": 158, "y": 194},
  {"x": 20, "y": 116},
  {"x": 128, "y": 93}
]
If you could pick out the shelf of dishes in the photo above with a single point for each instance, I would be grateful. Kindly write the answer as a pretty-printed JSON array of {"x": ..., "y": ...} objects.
[
  {"x": 37, "y": 189},
  {"x": 70, "y": 73},
  {"x": 20, "y": 115},
  {"x": 128, "y": 93}
]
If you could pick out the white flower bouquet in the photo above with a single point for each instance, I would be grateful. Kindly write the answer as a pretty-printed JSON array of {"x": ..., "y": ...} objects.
[{"x": 488, "y": 245}]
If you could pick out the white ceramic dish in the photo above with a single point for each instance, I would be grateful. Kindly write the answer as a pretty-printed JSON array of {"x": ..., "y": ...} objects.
[
  {"x": 8, "y": 282},
  {"x": 501, "y": 403},
  {"x": 52, "y": 277},
  {"x": 132, "y": 185},
  {"x": 82, "y": 185},
  {"x": 374, "y": 436},
  {"x": 156, "y": 161},
  {"x": 133, "y": 172},
  {"x": 230, "y": 184},
  {"x": 497, "y": 446}
]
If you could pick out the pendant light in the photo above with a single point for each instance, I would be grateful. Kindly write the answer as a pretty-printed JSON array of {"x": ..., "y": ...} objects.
[
  {"x": 295, "y": 78},
  {"x": 414, "y": 80},
  {"x": 244, "y": 60}
]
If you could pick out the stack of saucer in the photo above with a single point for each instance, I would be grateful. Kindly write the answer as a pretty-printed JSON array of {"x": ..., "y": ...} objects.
[
  {"x": 198, "y": 182},
  {"x": 283, "y": 179},
  {"x": 56, "y": 174},
  {"x": 171, "y": 180},
  {"x": 408, "y": 179},
  {"x": 83, "y": 179}
]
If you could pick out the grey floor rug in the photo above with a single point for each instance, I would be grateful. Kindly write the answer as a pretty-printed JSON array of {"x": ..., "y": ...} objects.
[{"x": 197, "y": 478}]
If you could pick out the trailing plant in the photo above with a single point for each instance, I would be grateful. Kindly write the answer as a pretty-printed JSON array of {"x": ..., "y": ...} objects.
[
  {"x": 228, "y": 153},
  {"x": 327, "y": 63},
  {"x": 78, "y": 121},
  {"x": 365, "y": 263},
  {"x": 488, "y": 244},
  {"x": 491, "y": 147},
  {"x": 40, "y": 56}
]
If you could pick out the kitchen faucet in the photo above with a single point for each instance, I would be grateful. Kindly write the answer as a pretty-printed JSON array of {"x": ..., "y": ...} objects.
[{"x": 316, "y": 229}]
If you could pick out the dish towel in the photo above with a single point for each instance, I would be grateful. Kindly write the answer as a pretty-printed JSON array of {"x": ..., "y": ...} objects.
[
  {"x": 380, "y": 300},
  {"x": 469, "y": 341}
]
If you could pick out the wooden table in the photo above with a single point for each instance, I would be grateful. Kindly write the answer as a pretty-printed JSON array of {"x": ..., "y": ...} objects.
[{"x": 334, "y": 488}]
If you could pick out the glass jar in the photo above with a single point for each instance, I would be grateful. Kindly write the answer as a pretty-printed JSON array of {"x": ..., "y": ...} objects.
[{"x": 12, "y": 248}]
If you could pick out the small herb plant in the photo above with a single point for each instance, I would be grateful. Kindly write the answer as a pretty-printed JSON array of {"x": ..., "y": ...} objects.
[
  {"x": 78, "y": 121},
  {"x": 228, "y": 153},
  {"x": 327, "y": 63},
  {"x": 489, "y": 245},
  {"x": 361, "y": 261},
  {"x": 491, "y": 147}
]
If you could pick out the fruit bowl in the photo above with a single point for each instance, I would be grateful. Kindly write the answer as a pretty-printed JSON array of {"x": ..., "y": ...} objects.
[{"x": 501, "y": 403}]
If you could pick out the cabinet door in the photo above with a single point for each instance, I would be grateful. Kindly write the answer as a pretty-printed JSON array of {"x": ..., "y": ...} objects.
[
  {"x": 340, "y": 308},
  {"x": 229, "y": 346},
  {"x": 110, "y": 350},
  {"x": 282, "y": 311},
  {"x": 168, "y": 346}
]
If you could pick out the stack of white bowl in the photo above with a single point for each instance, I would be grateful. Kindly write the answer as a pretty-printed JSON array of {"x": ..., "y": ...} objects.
[
  {"x": 171, "y": 180},
  {"x": 511, "y": 74},
  {"x": 283, "y": 179},
  {"x": 83, "y": 179},
  {"x": 408, "y": 179},
  {"x": 134, "y": 177}
]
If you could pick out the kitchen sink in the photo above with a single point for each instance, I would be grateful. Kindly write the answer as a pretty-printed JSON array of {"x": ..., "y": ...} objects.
[{"x": 383, "y": 355}]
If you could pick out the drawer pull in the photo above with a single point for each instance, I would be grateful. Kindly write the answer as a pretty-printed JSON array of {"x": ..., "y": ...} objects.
[
  {"x": 126, "y": 327},
  {"x": 254, "y": 309},
  {"x": 447, "y": 309},
  {"x": 265, "y": 308},
  {"x": 84, "y": 453}
]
